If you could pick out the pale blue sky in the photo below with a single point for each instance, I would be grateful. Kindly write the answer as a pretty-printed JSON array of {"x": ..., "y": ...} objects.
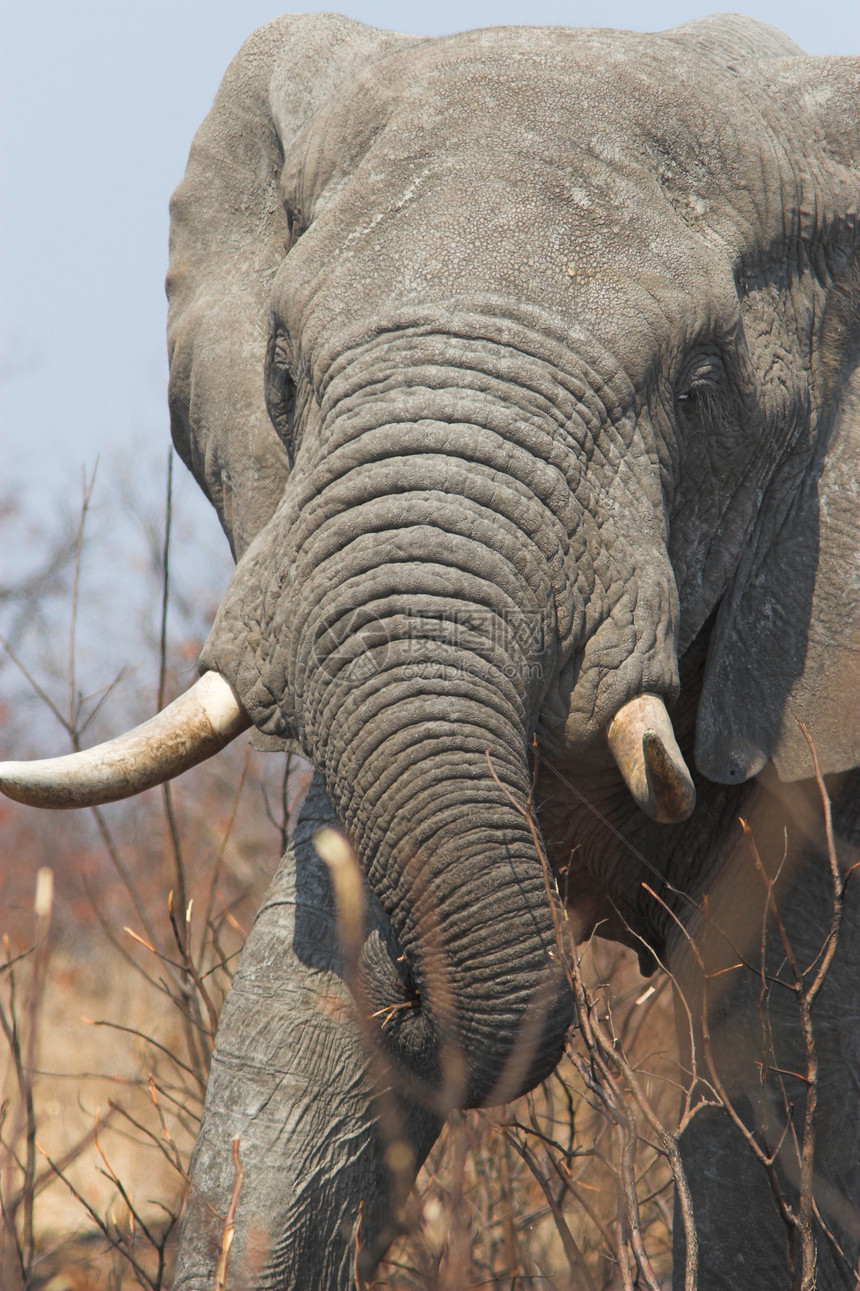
[{"x": 99, "y": 104}]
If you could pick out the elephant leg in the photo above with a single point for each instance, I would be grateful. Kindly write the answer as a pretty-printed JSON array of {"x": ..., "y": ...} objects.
[
  {"x": 290, "y": 1078},
  {"x": 760, "y": 1054}
]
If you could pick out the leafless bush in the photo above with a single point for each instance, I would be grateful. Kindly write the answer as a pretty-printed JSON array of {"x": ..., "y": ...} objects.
[
  {"x": 570, "y": 1186},
  {"x": 573, "y": 1185},
  {"x": 170, "y": 883}
]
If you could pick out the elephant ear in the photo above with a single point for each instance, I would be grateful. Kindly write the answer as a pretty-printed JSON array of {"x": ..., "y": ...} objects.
[
  {"x": 786, "y": 644},
  {"x": 785, "y": 647},
  {"x": 229, "y": 235}
]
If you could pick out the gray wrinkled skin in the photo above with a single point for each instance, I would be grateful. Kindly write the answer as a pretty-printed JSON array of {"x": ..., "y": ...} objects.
[
  {"x": 286, "y": 1023},
  {"x": 522, "y": 370}
]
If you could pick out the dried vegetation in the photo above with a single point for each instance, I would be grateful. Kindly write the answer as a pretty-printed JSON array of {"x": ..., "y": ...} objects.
[{"x": 120, "y": 931}]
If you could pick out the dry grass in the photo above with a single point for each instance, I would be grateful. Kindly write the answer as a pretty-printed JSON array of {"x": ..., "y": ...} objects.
[
  {"x": 116, "y": 1078},
  {"x": 113, "y": 1009},
  {"x": 526, "y": 1196},
  {"x": 110, "y": 995}
]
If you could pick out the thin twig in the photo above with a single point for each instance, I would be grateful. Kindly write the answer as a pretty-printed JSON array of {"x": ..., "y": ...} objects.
[{"x": 229, "y": 1229}]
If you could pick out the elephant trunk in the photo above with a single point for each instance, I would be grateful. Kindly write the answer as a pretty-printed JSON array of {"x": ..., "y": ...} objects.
[
  {"x": 406, "y": 638},
  {"x": 419, "y": 725},
  {"x": 479, "y": 1007}
]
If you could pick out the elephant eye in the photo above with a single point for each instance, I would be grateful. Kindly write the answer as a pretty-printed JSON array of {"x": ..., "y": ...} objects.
[
  {"x": 280, "y": 390},
  {"x": 296, "y": 224},
  {"x": 701, "y": 385},
  {"x": 692, "y": 395},
  {"x": 708, "y": 417}
]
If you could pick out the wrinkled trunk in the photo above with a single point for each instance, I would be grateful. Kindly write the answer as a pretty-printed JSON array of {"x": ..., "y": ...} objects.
[
  {"x": 431, "y": 576},
  {"x": 759, "y": 1050},
  {"x": 425, "y": 760},
  {"x": 289, "y": 1077},
  {"x": 393, "y": 616}
]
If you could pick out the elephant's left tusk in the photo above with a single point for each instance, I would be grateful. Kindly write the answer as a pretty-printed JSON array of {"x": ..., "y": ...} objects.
[
  {"x": 194, "y": 727},
  {"x": 643, "y": 744}
]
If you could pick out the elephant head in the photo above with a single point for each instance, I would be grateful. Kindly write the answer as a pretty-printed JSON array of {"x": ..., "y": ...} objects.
[{"x": 514, "y": 362}]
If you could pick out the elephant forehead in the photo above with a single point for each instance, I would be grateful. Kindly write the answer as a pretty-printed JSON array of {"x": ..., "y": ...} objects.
[
  {"x": 470, "y": 246},
  {"x": 512, "y": 163},
  {"x": 517, "y": 102}
]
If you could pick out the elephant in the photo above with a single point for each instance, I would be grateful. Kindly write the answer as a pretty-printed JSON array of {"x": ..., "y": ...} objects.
[{"x": 521, "y": 369}]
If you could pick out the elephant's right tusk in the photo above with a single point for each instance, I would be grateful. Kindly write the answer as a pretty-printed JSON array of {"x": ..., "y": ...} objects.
[
  {"x": 643, "y": 744},
  {"x": 190, "y": 730}
]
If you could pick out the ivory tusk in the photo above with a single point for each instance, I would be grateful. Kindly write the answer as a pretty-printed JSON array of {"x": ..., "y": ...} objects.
[
  {"x": 190, "y": 730},
  {"x": 643, "y": 744}
]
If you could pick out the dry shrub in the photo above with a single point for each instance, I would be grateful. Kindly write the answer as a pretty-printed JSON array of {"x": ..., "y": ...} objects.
[
  {"x": 111, "y": 988},
  {"x": 570, "y": 1186},
  {"x": 528, "y": 1195},
  {"x": 110, "y": 1021}
]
